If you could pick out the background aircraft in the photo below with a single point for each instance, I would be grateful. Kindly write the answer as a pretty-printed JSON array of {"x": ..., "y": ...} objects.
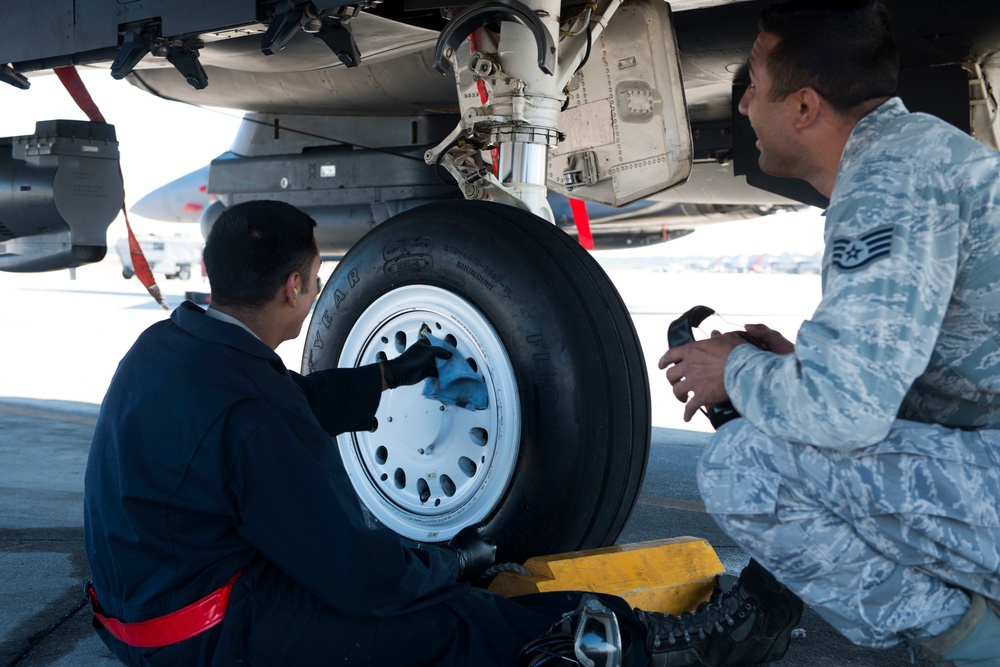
[
  {"x": 635, "y": 225},
  {"x": 434, "y": 133}
]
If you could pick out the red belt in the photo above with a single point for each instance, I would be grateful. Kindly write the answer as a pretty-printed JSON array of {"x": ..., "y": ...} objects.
[{"x": 174, "y": 627}]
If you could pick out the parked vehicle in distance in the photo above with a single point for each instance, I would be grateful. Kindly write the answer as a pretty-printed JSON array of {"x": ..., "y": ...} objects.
[{"x": 171, "y": 256}]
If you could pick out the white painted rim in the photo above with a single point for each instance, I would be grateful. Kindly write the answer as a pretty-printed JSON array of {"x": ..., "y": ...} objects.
[{"x": 428, "y": 469}]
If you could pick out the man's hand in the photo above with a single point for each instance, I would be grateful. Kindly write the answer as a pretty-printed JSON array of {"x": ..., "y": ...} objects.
[
  {"x": 476, "y": 552},
  {"x": 775, "y": 341},
  {"x": 416, "y": 363},
  {"x": 697, "y": 371}
]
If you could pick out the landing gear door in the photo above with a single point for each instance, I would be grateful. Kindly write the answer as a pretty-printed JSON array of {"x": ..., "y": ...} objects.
[{"x": 626, "y": 126}]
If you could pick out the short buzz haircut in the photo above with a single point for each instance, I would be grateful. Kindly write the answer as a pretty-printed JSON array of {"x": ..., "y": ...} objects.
[
  {"x": 842, "y": 49},
  {"x": 252, "y": 249}
]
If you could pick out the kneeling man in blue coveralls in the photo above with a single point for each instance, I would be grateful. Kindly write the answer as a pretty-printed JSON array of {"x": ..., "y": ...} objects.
[{"x": 222, "y": 529}]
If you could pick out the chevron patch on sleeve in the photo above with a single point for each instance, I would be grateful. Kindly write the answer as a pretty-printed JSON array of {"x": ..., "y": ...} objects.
[{"x": 854, "y": 254}]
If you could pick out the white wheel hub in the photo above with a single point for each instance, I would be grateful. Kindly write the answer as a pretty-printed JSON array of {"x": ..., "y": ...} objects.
[{"x": 428, "y": 469}]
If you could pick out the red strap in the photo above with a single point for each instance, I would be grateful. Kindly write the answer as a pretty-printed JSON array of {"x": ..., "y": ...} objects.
[
  {"x": 78, "y": 91},
  {"x": 582, "y": 220},
  {"x": 174, "y": 627},
  {"x": 73, "y": 84}
]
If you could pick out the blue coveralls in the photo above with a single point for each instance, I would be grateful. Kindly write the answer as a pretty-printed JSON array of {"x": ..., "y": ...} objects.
[
  {"x": 207, "y": 452},
  {"x": 866, "y": 471}
]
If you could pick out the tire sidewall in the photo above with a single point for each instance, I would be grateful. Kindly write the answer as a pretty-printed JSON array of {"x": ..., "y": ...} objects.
[{"x": 515, "y": 284}]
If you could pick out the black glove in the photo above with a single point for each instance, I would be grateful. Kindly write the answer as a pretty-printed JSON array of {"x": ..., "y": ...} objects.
[
  {"x": 415, "y": 364},
  {"x": 476, "y": 552}
]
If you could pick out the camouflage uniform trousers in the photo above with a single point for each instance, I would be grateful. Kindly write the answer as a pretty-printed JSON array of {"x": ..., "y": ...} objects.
[{"x": 880, "y": 541}]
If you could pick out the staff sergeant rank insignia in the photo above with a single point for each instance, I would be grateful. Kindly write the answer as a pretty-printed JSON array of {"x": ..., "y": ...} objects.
[{"x": 853, "y": 254}]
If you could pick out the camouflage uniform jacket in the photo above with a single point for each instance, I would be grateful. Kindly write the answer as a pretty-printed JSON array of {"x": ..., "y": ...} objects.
[{"x": 909, "y": 323}]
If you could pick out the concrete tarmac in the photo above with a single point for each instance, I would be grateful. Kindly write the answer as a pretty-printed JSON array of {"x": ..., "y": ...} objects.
[
  {"x": 62, "y": 340},
  {"x": 45, "y": 620}
]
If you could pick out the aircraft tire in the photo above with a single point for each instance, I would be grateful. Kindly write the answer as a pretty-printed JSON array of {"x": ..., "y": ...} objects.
[{"x": 557, "y": 459}]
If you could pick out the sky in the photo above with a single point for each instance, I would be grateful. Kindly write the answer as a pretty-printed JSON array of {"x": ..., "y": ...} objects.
[{"x": 160, "y": 141}]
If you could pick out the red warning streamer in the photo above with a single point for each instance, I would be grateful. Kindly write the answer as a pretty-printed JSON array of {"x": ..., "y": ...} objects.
[
  {"x": 582, "y": 220},
  {"x": 78, "y": 91}
]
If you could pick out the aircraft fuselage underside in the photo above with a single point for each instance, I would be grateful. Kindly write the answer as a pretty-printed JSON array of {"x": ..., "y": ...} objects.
[{"x": 610, "y": 102}]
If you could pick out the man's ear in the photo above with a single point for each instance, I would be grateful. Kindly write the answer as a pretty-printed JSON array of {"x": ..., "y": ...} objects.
[
  {"x": 807, "y": 107},
  {"x": 292, "y": 287}
]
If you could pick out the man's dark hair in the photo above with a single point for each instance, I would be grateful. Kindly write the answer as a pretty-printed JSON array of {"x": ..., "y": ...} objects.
[
  {"x": 843, "y": 49},
  {"x": 252, "y": 249}
]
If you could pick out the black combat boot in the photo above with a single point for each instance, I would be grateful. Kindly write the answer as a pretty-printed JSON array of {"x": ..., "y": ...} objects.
[{"x": 748, "y": 624}]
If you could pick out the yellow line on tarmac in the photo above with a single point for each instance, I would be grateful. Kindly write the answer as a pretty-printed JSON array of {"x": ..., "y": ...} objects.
[
  {"x": 56, "y": 415},
  {"x": 673, "y": 503}
]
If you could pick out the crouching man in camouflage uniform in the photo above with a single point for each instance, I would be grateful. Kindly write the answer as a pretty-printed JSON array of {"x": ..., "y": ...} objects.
[{"x": 865, "y": 472}]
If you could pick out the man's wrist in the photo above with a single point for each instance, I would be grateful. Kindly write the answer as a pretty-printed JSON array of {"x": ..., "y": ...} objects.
[{"x": 737, "y": 359}]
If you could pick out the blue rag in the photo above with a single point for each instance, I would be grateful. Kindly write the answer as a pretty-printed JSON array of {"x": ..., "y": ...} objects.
[{"x": 456, "y": 383}]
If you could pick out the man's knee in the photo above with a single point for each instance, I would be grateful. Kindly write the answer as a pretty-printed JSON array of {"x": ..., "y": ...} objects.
[
  {"x": 741, "y": 470},
  {"x": 738, "y": 444}
]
